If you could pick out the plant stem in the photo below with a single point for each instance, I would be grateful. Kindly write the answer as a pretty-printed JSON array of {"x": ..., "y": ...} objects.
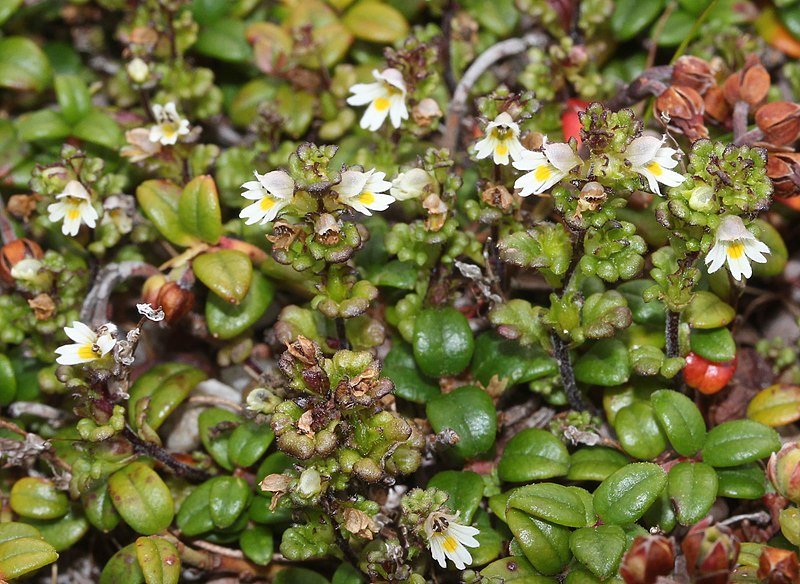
[
  {"x": 561, "y": 354},
  {"x": 163, "y": 456},
  {"x": 341, "y": 334},
  {"x": 671, "y": 333}
]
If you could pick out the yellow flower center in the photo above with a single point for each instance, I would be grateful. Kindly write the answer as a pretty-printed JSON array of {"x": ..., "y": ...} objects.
[
  {"x": 87, "y": 352},
  {"x": 366, "y": 198},
  {"x": 169, "y": 129},
  {"x": 501, "y": 149},
  {"x": 736, "y": 250},
  {"x": 73, "y": 214},
  {"x": 382, "y": 104},
  {"x": 450, "y": 543},
  {"x": 266, "y": 204},
  {"x": 543, "y": 173},
  {"x": 655, "y": 168}
]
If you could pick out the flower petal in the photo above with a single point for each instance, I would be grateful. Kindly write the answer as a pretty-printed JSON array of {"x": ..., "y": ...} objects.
[
  {"x": 80, "y": 333},
  {"x": 642, "y": 150}
]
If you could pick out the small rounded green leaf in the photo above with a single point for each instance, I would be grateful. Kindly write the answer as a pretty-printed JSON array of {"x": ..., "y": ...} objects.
[
  {"x": 595, "y": 463},
  {"x": 41, "y": 125},
  {"x": 661, "y": 514},
  {"x": 23, "y": 65},
  {"x": 681, "y": 420},
  {"x": 165, "y": 386},
  {"x": 216, "y": 442},
  {"x": 141, "y": 498},
  {"x": 624, "y": 496},
  {"x": 739, "y": 442},
  {"x": 99, "y": 509},
  {"x": 631, "y": 17},
  {"x": 38, "y": 498},
  {"x": 123, "y": 568},
  {"x": 778, "y": 254},
  {"x": 599, "y": 548},
  {"x": 639, "y": 432},
  {"x": 158, "y": 200},
  {"x": 692, "y": 488},
  {"x": 299, "y": 576},
  {"x": 509, "y": 360},
  {"x": 63, "y": 533},
  {"x": 226, "y": 320},
  {"x": 409, "y": 382},
  {"x": 515, "y": 568},
  {"x": 158, "y": 560},
  {"x": 742, "y": 482},
  {"x": 545, "y": 545},
  {"x": 714, "y": 344},
  {"x": 465, "y": 490},
  {"x": 99, "y": 128},
  {"x": 199, "y": 211},
  {"x": 707, "y": 311},
  {"x": 21, "y": 555},
  {"x": 227, "y": 273},
  {"x": 470, "y": 412},
  {"x": 7, "y": 9},
  {"x": 73, "y": 97},
  {"x": 777, "y": 405},
  {"x": 248, "y": 443},
  {"x": 257, "y": 544},
  {"x": 443, "y": 342},
  {"x": 375, "y": 22},
  {"x": 228, "y": 498},
  {"x": 606, "y": 364},
  {"x": 533, "y": 454},
  {"x": 551, "y": 502},
  {"x": 224, "y": 39},
  {"x": 194, "y": 516},
  {"x": 652, "y": 312},
  {"x": 8, "y": 381}
]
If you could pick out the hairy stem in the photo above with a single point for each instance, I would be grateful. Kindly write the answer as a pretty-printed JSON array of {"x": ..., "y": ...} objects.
[
  {"x": 561, "y": 354},
  {"x": 163, "y": 456},
  {"x": 671, "y": 333}
]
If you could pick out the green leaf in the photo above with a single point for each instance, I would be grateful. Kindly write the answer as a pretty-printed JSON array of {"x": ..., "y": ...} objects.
[
  {"x": 624, "y": 496},
  {"x": 639, "y": 432},
  {"x": 194, "y": 516},
  {"x": 524, "y": 319},
  {"x": 545, "y": 545},
  {"x": 738, "y": 442},
  {"x": 21, "y": 554},
  {"x": 216, "y": 444},
  {"x": 509, "y": 360},
  {"x": 375, "y": 22},
  {"x": 8, "y": 9},
  {"x": 606, "y": 364},
  {"x": 244, "y": 106},
  {"x": 228, "y": 498},
  {"x": 741, "y": 482},
  {"x": 707, "y": 311},
  {"x": 23, "y": 65},
  {"x": 692, "y": 488},
  {"x": 99, "y": 128},
  {"x": 226, "y": 320},
  {"x": 65, "y": 532},
  {"x": 297, "y": 109},
  {"x": 551, "y": 502},
  {"x": 490, "y": 542},
  {"x": 227, "y": 273},
  {"x": 257, "y": 544},
  {"x": 199, "y": 211},
  {"x": 515, "y": 568},
  {"x": 681, "y": 420},
  {"x": 299, "y": 576},
  {"x": 158, "y": 200},
  {"x": 465, "y": 490},
  {"x": 224, "y": 39},
  {"x": 775, "y": 406},
  {"x": 99, "y": 509},
  {"x": 604, "y": 313},
  {"x": 347, "y": 574},
  {"x": 8, "y": 381},
  {"x": 661, "y": 515},
  {"x": 38, "y": 498},
  {"x": 41, "y": 125},
  {"x": 631, "y": 17},
  {"x": 500, "y": 17},
  {"x": 778, "y": 254},
  {"x": 714, "y": 344},
  {"x": 599, "y": 548},
  {"x": 142, "y": 499},
  {"x": 409, "y": 382},
  {"x": 326, "y": 31},
  {"x": 73, "y": 97},
  {"x": 165, "y": 386},
  {"x": 545, "y": 247},
  {"x": 470, "y": 412},
  {"x": 123, "y": 568},
  {"x": 652, "y": 312},
  {"x": 595, "y": 463},
  {"x": 158, "y": 560},
  {"x": 443, "y": 342},
  {"x": 533, "y": 454},
  {"x": 248, "y": 443},
  {"x": 677, "y": 28}
]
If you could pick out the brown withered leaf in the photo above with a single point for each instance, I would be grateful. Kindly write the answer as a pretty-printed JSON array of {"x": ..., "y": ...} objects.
[
  {"x": 43, "y": 306},
  {"x": 359, "y": 523}
]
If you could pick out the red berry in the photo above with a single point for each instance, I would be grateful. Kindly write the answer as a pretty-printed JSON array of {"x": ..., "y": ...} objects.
[
  {"x": 707, "y": 376},
  {"x": 570, "y": 122}
]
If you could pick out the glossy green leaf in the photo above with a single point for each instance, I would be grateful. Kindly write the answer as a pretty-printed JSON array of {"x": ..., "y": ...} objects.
[
  {"x": 661, "y": 514},
  {"x": 775, "y": 406},
  {"x": 604, "y": 313},
  {"x": 21, "y": 554},
  {"x": 465, "y": 490},
  {"x": 606, "y": 363},
  {"x": 65, "y": 532},
  {"x": 23, "y": 65},
  {"x": 73, "y": 97},
  {"x": 347, "y": 574},
  {"x": 158, "y": 200},
  {"x": 533, "y": 454},
  {"x": 595, "y": 463},
  {"x": 8, "y": 381},
  {"x": 625, "y": 495},
  {"x": 638, "y": 431},
  {"x": 326, "y": 30},
  {"x": 409, "y": 381},
  {"x": 790, "y": 524},
  {"x": 692, "y": 488},
  {"x": 677, "y": 27},
  {"x": 165, "y": 386},
  {"x": 99, "y": 509},
  {"x": 216, "y": 443},
  {"x": 443, "y": 342},
  {"x": 224, "y": 39},
  {"x": 259, "y": 511},
  {"x": 631, "y": 17},
  {"x": 778, "y": 254},
  {"x": 244, "y": 106},
  {"x": 545, "y": 545},
  {"x": 599, "y": 548},
  {"x": 38, "y": 498},
  {"x": 681, "y": 420},
  {"x": 515, "y": 568},
  {"x": 652, "y": 312},
  {"x": 194, "y": 516},
  {"x": 141, "y": 498},
  {"x": 226, "y": 320},
  {"x": 41, "y": 125},
  {"x": 158, "y": 560},
  {"x": 257, "y": 544},
  {"x": 741, "y": 482},
  {"x": 490, "y": 542},
  {"x": 248, "y": 443},
  {"x": 99, "y": 128},
  {"x": 714, "y": 344},
  {"x": 123, "y": 568},
  {"x": 470, "y": 412},
  {"x": 550, "y": 502},
  {"x": 499, "y": 17},
  {"x": 375, "y": 22},
  {"x": 199, "y": 211},
  {"x": 299, "y": 576},
  {"x": 227, "y": 273},
  {"x": 8, "y": 8},
  {"x": 738, "y": 442},
  {"x": 296, "y": 108},
  {"x": 509, "y": 361},
  {"x": 228, "y": 498},
  {"x": 707, "y": 311}
]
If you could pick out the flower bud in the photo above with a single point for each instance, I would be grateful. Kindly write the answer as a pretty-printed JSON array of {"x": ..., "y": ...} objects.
[
  {"x": 175, "y": 301},
  {"x": 702, "y": 198},
  {"x": 783, "y": 471},
  {"x": 649, "y": 557},
  {"x": 780, "y": 122},
  {"x": 310, "y": 483},
  {"x": 693, "y": 72},
  {"x": 426, "y": 112},
  {"x": 784, "y": 170},
  {"x": 151, "y": 288},
  {"x": 684, "y": 108},
  {"x": 14, "y": 252},
  {"x": 750, "y": 85},
  {"x": 711, "y": 552},
  {"x": 138, "y": 70},
  {"x": 367, "y": 470},
  {"x": 778, "y": 566},
  {"x": 413, "y": 184}
]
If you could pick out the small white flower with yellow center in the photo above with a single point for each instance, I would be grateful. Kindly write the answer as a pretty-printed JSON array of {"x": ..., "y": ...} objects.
[
  {"x": 547, "y": 167},
  {"x": 271, "y": 192},
  {"x": 89, "y": 345},
  {"x": 387, "y": 96},
  {"x": 653, "y": 161},
  {"x": 449, "y": 539},
  {"x": 412, "y": 184},
  {"x": 734, "y": 243},
  {"x": 169, "y": 125},
  {"x": 74, "y": 206},
  {"x": 501, "y": 140},
  {"x": 364, "y": 191}
]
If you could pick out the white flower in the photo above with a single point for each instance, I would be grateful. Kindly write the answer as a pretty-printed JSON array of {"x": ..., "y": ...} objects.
[
  {"x": 138, "y": 70},
  {"x": 387, "y": 96},
  {"x": 169, "y": 125},
  {"x": 653, "y": 161},
  {"x": 412, "y": 184},
  {"x": 271, "y": 192},
  {"x": 364, "y": 191},
  {"x": 448, "y": 539},
  {"x": 89, "y": 345},
  {"x": 502, "y": 139},
  {"x": 546, "y": 168},
  {"x": 733, "y": 242},
  {"x": 74, "y": 206}
]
